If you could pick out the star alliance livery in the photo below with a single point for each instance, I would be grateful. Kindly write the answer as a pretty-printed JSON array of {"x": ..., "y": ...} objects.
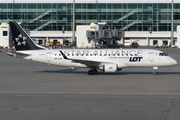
[{"x": 107, "y": 60}]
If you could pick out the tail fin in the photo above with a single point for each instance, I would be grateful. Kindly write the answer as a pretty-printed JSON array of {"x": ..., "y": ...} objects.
[{"x": 22, "y": 40}]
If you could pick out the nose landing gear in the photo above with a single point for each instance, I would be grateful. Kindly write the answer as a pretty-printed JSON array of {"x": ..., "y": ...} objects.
[{"x": 154, "y": 70}]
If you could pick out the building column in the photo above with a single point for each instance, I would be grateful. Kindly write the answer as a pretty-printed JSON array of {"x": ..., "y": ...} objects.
[
  {"x": 46, "y": 40},
  {"x": 149, "y": 43},
  {"x": 178, "y": 36},
  {"x": 122, "y": 41}
]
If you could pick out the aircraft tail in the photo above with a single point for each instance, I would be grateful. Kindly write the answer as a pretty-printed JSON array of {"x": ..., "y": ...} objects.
[{"x": 22, "y": 40}]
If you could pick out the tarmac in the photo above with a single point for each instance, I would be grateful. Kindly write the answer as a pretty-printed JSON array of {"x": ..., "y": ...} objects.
[{"x": 36, "y": 91}]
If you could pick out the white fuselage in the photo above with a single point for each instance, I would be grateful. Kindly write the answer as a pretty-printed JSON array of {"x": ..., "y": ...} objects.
[{"x": 122, "y": 57}]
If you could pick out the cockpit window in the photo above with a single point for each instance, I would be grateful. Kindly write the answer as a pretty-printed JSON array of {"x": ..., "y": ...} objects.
[{"x": 163, "y": 54}]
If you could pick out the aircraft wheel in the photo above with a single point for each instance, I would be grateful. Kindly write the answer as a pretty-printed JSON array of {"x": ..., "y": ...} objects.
[
  {"x": 90, "y": 72},
  {"x": 94, "y": 71},
  {"x": 154, "y": 73}
]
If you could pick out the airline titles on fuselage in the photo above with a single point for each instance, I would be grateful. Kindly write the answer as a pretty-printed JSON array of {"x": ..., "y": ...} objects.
[
  {"x": 131, "y": 55},
  {"x": 125, "y": 53}
]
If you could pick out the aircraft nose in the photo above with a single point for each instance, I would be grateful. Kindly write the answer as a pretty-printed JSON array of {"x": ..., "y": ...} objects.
[{"x": 173, "y": 62}]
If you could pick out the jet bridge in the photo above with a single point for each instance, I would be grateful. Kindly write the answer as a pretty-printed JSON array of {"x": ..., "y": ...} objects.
[
  {"x": 97, "y": 36},
  {"x": 105, "y": 37}
]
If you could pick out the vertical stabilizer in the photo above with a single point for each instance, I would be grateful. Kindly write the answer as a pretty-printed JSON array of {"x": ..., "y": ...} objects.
[{"x": 22, "y": 40}]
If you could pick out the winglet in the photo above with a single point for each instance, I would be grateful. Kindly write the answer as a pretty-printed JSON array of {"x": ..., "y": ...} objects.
[{"x": 64, "y": 56}]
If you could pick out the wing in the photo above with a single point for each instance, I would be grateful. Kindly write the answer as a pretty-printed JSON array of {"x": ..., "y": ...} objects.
[{"x": 86, "y": 62}]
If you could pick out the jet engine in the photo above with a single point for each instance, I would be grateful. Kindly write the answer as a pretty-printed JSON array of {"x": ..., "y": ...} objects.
[{"x": 109, "y": 68}]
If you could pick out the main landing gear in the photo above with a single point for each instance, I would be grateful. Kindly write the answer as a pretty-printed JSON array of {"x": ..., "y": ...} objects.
[
  {"x": 154, "y": 70},
  {"x": 91, "y": 72}
]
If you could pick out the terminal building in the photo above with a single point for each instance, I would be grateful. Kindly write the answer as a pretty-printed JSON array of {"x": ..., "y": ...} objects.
[{"x": 147, "y": 22}]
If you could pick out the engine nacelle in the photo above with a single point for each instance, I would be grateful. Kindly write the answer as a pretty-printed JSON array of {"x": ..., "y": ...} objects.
[{"x": 110, "y": 67}]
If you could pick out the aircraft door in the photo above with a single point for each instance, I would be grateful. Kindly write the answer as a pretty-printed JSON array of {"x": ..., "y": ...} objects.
[
  {"x": 151, "y": 56},
  {"x": 48, "y": 56}
]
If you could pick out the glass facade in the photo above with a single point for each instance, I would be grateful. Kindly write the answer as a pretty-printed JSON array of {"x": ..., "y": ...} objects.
[{"x": 126, "y": 16}]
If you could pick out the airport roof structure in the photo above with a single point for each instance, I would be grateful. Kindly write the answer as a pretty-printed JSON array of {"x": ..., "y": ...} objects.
[
  {"x": 89, "y": 1},
  {"x": 128, "y": 15}
]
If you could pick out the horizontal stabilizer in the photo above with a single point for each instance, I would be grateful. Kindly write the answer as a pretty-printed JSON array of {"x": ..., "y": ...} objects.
[{"x": 17, "y": 54}]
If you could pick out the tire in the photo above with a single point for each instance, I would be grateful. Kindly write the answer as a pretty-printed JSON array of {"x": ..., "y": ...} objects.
[
  {"x": 90, "y": 72},
  {"x": 94, "y": 71},
  {"x": 154, "y": 73}
]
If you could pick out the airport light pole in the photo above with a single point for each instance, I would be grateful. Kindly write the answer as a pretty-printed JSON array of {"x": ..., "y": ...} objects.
[
  {"x": 172, "y": 22},
  {"x": 73, "y": 34}
]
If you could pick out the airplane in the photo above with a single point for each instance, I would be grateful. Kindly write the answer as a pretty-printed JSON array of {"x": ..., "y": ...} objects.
[{"x": 107, "y": 60}]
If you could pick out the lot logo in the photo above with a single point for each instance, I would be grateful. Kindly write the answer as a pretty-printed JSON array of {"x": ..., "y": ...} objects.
[
  {"x": 110, "y": 68},
  {"x": 135, "y": 59}
]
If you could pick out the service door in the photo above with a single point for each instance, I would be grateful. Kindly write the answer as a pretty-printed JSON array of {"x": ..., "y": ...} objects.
[
  {"x": 48, "y": 56},
  {"x": 151, "y": 56}
]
